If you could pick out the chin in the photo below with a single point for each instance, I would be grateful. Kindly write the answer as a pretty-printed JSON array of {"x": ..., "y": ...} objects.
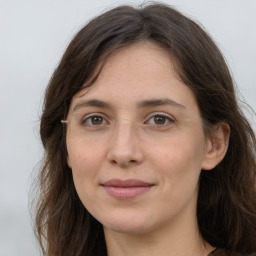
[
  {"x": 128, "y": 225},
  {"x": 126, "y": 229}
]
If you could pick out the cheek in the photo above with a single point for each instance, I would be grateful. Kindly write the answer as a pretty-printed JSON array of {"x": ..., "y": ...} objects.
[
  {"x": 81, "y": 154},
  {"x": 178, "y": 153},
  {"x": 85, "y": 163},
  {"x": 180, "y": 169},
  {"x": 179, "y": 166}
]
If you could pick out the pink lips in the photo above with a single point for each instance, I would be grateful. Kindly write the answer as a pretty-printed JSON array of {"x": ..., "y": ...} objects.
[{"x": 126, "y": 189}]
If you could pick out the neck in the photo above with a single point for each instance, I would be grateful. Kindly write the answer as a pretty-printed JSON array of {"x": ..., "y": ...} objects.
[{"x": 181, "y": 241}]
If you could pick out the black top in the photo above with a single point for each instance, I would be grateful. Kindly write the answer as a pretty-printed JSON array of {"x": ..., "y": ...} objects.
[
  {"x": 223, "y": 252},
  {"x": 218, "y": 251}
]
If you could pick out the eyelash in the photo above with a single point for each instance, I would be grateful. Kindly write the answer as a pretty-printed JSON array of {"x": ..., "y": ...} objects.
[
  {"x": 86, "y": 118},
  {"x": 166, "y": 118}
]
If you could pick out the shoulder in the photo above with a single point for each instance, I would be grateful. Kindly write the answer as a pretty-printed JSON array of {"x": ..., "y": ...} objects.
[
  {"x": 223, "y": 252},
  {"x": 241, "y": 254}
]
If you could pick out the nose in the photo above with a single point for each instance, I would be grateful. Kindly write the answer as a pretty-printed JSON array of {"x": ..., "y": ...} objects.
[{"x": 125, "y": 149}]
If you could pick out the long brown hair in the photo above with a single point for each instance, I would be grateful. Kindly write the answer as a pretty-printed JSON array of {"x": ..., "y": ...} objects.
[{"x": 226, "y": 209}]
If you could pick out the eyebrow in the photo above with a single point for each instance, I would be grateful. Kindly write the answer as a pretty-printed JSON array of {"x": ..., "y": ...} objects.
[
  {"x": 142, "y": 104},
  {"x": 159, "y": 102},
  {"x": 92, "y": 103}
]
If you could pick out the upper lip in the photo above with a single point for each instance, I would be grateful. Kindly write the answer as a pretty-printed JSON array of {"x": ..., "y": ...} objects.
[{"x": 126, "y": 183}]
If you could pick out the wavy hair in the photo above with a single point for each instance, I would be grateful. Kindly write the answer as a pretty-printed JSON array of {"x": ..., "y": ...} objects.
[{"x": 226, "y": 209}]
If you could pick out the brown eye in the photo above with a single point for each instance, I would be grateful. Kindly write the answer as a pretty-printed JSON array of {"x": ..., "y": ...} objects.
[
  {"x": 159, "y": 120},
  {"x": 94, "y": 120}
]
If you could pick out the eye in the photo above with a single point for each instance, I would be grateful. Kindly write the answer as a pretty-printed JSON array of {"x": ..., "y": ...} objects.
[
  {"x": 94, "y": 120},
  {"x": 160, "y": 120}
]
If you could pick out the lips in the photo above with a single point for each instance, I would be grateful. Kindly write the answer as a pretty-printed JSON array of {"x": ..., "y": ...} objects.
[{"x": 126, "y": 189}]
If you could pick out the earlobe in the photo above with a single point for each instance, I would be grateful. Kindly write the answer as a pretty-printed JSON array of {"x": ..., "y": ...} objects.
[{"x": 217, "y": 146}]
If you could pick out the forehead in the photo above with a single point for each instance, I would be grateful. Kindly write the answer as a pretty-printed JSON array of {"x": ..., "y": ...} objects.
[{"x": 138, "y": 72}]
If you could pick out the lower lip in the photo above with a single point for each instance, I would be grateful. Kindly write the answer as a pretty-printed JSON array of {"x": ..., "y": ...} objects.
[{"x": 124, "y": 193}]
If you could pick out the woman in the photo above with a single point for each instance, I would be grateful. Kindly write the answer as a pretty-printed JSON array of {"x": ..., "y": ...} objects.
[{"x": 146, "y": 149}]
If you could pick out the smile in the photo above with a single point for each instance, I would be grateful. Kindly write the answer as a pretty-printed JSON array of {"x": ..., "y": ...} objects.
[{"x": 126, "y": 189}]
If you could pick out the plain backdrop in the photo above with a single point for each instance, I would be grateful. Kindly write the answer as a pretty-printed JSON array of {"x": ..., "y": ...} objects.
[{"x": 33, "y": 36}]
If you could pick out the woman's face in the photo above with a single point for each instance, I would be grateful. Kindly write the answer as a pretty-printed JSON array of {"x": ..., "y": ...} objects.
[{"x": 136, "y": 144}]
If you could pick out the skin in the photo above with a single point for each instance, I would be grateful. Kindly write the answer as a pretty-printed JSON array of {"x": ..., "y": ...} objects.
[{"x": 131, "y": 141}]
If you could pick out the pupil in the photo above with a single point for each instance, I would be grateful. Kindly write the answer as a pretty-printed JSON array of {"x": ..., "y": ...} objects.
[
  {"x": 96, "y": 120},
  {"x": 159, "y": 120}
]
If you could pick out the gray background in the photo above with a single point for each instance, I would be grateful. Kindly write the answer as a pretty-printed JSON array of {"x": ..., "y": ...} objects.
[{"x": 33, "y": 36}]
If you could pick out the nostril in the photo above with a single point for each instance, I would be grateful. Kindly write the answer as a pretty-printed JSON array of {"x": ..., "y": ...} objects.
[
  {"x": 123, "y": 163},
  {"x": 113, "y": 161}
]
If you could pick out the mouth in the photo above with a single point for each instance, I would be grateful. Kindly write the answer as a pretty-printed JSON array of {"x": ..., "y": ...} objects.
[{"x": 126, "y": 189}]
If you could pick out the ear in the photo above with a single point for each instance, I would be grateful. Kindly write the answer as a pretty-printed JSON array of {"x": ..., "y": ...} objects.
[{"x": 216, "y": 146}]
